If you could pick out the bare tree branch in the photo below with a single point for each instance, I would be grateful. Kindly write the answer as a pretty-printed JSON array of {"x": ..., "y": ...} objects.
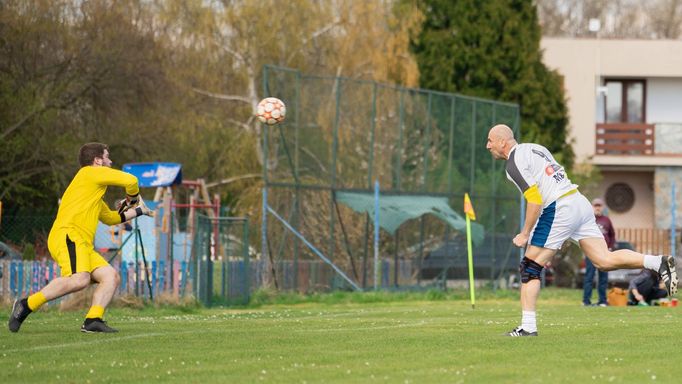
[
  {"x": 21, "y": 122},
  {"x": 235, "y": 54},
  {"x": 21, "y": 176},
  {"x": 312, "y": 155},
  {"x": 59, "y": 105},
  {"x": 222, "y": 96},
  {"x": 315, "y": 35},
  {"x": 246, "y": 125},
  {"x": 233, "y": 179}
]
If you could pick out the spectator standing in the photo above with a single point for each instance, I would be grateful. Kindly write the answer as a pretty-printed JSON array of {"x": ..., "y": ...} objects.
[{"x": 606, "y": 228}]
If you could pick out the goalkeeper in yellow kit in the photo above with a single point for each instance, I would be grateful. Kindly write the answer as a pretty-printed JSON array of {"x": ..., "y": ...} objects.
[{"x": 72, "y": 235}]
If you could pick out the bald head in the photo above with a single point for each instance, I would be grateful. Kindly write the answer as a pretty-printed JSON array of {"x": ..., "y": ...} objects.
[
  {"x": 500, "y": 141},
  {"x": 502, "y": 131}
]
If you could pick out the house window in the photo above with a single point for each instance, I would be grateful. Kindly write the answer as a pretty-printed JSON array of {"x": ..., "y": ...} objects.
[{"x": 625, "y": 101}]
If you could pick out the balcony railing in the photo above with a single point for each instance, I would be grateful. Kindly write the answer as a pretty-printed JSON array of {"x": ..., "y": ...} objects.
[
  {"x": 650, "y": 241},
  {"x": 625, "y": 139}
]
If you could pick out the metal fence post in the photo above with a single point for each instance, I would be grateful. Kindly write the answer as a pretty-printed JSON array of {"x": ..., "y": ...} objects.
[{"x": 673, "y": 221}]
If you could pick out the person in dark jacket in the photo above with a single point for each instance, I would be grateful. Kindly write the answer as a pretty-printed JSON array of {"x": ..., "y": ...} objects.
[
  {"x": 606, "y": 227},
  {"x": 644, "y": 288}
]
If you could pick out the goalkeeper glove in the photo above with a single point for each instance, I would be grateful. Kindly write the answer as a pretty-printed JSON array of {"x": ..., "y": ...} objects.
[
  {"x": 142, "y": 209},
  {"x": 138, "y": 211},
  {"x": 127, "y": 203}
]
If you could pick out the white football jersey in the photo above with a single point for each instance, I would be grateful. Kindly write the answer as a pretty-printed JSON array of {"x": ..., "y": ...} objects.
[{"x": 530, "y": 164}]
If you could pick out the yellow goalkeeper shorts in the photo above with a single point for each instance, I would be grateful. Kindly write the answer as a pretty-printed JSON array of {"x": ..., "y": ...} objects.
[{"x": 74, "y": 256}]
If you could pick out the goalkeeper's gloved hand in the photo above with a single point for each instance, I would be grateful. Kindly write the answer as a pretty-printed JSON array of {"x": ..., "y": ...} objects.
[
  {"x": 142, "y": 209},
  {"x": 121, "y": 206},
  {"x": 138, "y": 211},
  {"x": 127, "y": 203}
]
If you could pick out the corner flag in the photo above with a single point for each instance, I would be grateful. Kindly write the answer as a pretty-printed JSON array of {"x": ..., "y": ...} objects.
[
  {"x": 468, "y": 208},
  {"x": 470, "y": 215}
]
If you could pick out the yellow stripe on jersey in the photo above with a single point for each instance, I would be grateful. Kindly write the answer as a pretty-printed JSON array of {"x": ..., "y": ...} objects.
[
  {"x": 572, "y": 191},
  {"x": 533, "y": 195}
]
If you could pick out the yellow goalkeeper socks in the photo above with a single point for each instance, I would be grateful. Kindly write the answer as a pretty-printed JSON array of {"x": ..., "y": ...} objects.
[
  {"x": 36, "y": 300},
  {"x": 95, "y": 312}
]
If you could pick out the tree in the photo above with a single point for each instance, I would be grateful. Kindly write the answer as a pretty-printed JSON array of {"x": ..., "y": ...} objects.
[
  {"x": 71, "y": 74},
  {"x": 665, "y": 18},
  {"x": 640, "y": 19},
  {"x": 492, "y": 49},
  {"x": 169, "y": 80},
  {"x": 227, "y": 43},
  {"x": 367, "y": 40}
]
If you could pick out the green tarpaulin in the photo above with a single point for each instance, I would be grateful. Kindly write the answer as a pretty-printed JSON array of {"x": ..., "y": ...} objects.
[{"x": 395, "y": 210}]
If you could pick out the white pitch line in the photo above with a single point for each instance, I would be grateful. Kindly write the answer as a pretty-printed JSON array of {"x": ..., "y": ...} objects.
[
  {"x": 200, "y": 318},
  {"x": 99, "y": 341},
  {"x": 264, "y": 315},
  {"x": 419, "y": 324}
]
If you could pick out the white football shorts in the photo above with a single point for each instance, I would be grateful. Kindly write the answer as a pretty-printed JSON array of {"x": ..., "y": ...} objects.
[{"x": 570, "y": 217}]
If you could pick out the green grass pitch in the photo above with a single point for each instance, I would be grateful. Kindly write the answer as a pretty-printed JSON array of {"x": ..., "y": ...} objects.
[{"x": 346, "y": 340}]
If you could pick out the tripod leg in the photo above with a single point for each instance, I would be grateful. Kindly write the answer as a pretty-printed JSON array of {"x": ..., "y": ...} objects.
[
  {"x": 146, "y": 267},
  {"x": 120, "y": 248}
]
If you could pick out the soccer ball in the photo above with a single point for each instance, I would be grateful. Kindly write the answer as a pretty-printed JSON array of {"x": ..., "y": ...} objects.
[{"x": 271, "y": 110}]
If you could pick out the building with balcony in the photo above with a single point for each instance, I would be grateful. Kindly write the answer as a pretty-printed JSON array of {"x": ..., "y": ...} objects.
[{"x": 625, "y": 109}]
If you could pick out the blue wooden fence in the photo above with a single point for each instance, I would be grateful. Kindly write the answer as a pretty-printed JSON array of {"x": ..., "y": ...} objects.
[{"x": 21, "y": 278}]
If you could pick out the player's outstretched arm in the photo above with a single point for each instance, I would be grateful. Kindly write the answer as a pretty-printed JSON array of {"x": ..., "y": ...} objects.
[
  {"x": 139, "y": 210},
  {"x": 127, "y": 203},
  {"x": 114, "y": 177},
  {"x": 111, "y": 217}
]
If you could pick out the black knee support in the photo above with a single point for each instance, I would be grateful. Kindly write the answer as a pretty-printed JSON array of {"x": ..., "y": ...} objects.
[{"x": 529, "y": 270}]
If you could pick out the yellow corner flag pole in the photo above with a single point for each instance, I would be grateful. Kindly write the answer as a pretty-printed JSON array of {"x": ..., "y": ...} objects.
[{"x": 470, "y": 215}]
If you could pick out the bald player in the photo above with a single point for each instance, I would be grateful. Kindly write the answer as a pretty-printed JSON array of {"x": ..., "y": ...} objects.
[
  {"x": 555, "y": 212},
  {"x": 72, "y": 235}
]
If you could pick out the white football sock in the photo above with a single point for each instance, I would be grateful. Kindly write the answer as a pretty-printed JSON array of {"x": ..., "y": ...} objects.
[
  {"x": 528, "y": 321},
  {"x": 652, "y": 262}
]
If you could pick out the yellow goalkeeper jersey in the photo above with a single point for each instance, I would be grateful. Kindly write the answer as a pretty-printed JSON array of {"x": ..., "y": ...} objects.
[{"x": 82, "y": 205}]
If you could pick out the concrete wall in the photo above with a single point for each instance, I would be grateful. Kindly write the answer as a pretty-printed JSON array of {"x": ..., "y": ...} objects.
[
  {"x": 641, "y": 215},
  {"x": 668, "y": 138},
  {"x": 663, "y": 180}
]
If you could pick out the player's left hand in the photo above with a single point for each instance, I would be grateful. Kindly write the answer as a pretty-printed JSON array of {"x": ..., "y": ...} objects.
[
  {"x": 145, "y": 209},
  {"x": 520, "y": 240},
  {"x": 127, "y": 203},
  {"x": 122, "y": 206},
  {"x": 140, "y": 210}
]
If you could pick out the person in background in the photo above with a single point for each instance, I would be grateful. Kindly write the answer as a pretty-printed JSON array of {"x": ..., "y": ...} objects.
[
  {"x": 606, "y": 228},
  {"x": 645, "y": 287}
]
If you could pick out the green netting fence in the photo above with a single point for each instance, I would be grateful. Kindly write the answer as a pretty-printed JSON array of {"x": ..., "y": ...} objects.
[
  {"x": 342, "y": 135},
  {"x": 222, "y": 273}
]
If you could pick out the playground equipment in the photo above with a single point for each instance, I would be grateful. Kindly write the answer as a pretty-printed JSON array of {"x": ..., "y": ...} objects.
[{"x": 167, "y": 179}]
